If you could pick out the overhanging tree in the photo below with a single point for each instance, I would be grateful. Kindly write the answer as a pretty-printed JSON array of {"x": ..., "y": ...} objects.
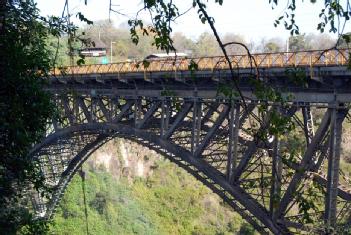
[{"x": 25, "y": 108}]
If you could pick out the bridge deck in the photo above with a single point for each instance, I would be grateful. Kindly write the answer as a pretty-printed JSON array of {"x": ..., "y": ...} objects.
[
  {"x": 311, "y": 59},
  {"x": 326, "y": 75}
]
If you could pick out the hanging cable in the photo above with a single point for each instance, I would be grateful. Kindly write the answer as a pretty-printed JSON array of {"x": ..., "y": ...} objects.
[{"x": 82, "y": 176}]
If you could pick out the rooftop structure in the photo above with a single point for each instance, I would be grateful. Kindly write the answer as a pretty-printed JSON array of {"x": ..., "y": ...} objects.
[{"x": 96, "y": 50}]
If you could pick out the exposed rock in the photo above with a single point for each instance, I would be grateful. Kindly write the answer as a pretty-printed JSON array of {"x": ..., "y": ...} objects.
[{"x": 123, "y": 158}]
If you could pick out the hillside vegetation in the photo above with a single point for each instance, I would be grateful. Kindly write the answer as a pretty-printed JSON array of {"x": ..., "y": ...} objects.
[{"x": 164, "y": 199}]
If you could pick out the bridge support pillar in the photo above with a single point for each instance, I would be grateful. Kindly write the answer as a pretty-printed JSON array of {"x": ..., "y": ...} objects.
[
  {"x": 165, "y": 115},
  {"x": 277, "y": 167},
  {"x": 68, "y": 109},
  {"x": 93, "y": 109},
  {"x": 333, "y": 168},
  {"x": 308, "y": 123},
  {"x": 234, "y": 119},
  {"x": 137, "y": 111},
  {"x": 196, "y": 129}
]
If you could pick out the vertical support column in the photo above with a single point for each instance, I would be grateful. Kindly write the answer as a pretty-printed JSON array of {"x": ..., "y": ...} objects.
[
  {"x": 55, "y": 122},
  {"x": 110, "y": 107},
  {"x": 198, "y": 122},
  {"x": 308, "y": 124},
  {"x": 75, "y": 108},
  {"x": 168, "y": 112},
  {"x": 113, "y": 107},
  {"x": 137, "y": 111},
  {"x": 78, "y": 111},
  {"x": 117, "y": 106},
  {"x": 195, "y": 135},
  {"x": 93, "y": 111},
  {"x": 93, "y": 114},
  {"x": 277, "y": 166},
  {"x": 234, "y": 122},
  {"x": 165, "y": 115},
  {"x": 333, "y": 168}
]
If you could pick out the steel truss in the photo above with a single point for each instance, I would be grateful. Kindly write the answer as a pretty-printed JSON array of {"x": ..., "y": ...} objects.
[{"x": 217, "y": 141}]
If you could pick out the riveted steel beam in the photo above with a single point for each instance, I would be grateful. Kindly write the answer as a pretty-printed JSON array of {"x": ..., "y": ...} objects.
[
  {"x": 196, "y": 127},
  {"x": 337, "y": 117},
  {"x": 213, "y": 130},
  {"x": 308, "y": 123},
  {"x": 184, "y": 110},
  {"x": 234, "y": 126},
  {"x": 305, "y": 164},
  {"x": 154, "y": 106},
  {"x": 82, "y": 105}
]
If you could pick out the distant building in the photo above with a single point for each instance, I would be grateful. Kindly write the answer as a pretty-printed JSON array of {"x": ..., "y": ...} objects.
[
  {"x": 165, "y": 55},
  {"x": 97, "y": 50}
]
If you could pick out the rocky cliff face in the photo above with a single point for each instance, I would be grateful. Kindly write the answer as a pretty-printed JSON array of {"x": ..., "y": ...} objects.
[{"x": 123, "y": 158}]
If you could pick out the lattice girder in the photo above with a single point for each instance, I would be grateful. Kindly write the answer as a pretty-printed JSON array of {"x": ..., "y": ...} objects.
[{"x": 210, "y": 139}]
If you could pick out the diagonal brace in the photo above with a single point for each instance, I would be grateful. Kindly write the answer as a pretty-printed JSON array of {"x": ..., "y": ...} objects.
[
  {"x": 180, "y": 117},
  {"x": 81, "y": 104},
  {"x": 67, "y": 109},
  {"x": 124, "y": 110},
  {"x": 212, "y": 132},
  {"x": 104, "y": 110},
  {"x": 306, "y": 164},
  {"x": 148, "y": 114}
]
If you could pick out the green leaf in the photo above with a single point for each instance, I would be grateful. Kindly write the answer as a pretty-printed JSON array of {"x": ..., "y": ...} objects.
[{"x": 83, "y": 19}]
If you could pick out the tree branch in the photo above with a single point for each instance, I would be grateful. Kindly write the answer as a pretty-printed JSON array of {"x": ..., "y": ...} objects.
[{"x": 222, "y": 46}]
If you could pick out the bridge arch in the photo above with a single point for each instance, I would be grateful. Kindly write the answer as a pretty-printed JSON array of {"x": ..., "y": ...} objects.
[{"x": 103, "y": 132}]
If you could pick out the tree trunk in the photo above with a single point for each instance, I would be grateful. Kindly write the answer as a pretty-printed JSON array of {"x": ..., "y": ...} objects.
[{"x": 2, "y": 34}]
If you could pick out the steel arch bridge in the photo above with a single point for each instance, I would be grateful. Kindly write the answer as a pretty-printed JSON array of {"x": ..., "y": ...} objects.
[{"x": 180, "y": 114}]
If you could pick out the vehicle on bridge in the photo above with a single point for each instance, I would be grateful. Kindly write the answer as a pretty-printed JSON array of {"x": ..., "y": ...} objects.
[
  {"x": 163, "y": 56},
  {"x": 97, "y": 49}
]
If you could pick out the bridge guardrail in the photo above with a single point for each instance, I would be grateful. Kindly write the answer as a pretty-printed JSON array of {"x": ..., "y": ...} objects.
[{"x": 334, "y": 57}]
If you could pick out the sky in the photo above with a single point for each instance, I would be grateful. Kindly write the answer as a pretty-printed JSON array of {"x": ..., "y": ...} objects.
[{"x": 252, "y": 19}]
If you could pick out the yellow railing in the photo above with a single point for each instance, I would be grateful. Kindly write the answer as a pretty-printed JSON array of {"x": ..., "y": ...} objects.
[{"x": 264, "y": 60}]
